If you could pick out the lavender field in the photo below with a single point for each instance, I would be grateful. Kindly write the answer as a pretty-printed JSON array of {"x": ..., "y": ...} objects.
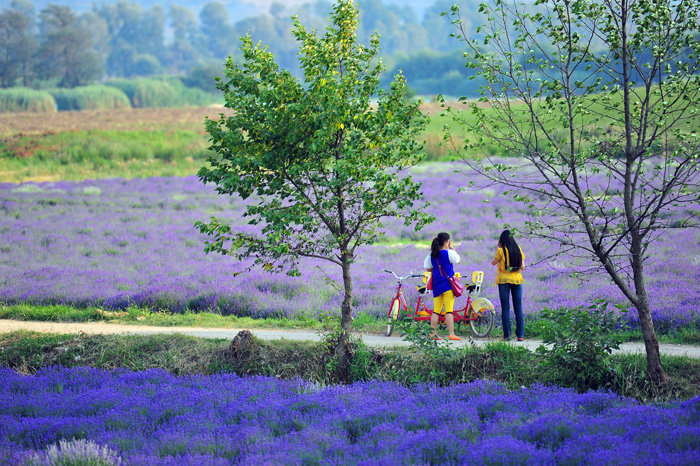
[
  {"x": 153, "y": 417},
  {"x": 117, "y": 242}
]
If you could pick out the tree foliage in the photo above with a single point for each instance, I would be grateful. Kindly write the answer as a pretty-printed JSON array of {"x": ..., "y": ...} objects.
[
  {"x": 319, "y": 162},
  {"x": 601, "y": 101}
]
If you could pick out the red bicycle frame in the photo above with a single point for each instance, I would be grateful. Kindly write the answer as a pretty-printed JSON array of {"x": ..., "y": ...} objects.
[
  {"x": 480, "y": 319},
  {"x": 460, "y": 315}
]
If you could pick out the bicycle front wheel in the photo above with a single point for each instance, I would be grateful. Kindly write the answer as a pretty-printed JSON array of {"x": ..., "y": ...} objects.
[
  {"x": 482, "y": 325},
  {"x": 393, "y": 316}
]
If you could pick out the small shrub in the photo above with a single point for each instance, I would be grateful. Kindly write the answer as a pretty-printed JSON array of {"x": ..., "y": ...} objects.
[
  {"x": 204, "y": 77},
  {"x": 21, "y": 99},
  {"x": 578, "y": 343},
  {"x": 90, "y": 98},
  {"x": 76, "y": 453}
]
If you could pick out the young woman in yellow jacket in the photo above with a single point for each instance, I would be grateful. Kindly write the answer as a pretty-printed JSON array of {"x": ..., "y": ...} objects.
[{"x": 510, "y": 260}]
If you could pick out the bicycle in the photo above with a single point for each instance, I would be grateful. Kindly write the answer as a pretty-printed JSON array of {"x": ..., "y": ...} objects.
[{"x": 479, "y": 312}]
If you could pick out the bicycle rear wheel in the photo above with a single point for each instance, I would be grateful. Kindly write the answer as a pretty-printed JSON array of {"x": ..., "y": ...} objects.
[
  {"x": 482, "y": 325},
  {"x": 393, "y": 316}
]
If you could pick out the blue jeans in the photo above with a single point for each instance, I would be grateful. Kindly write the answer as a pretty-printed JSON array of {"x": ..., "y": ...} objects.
[{"x": 504, "y": 290}]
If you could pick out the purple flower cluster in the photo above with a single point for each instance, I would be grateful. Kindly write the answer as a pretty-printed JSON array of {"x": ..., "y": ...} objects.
[
  {"x": 116, "y": 243},
  {"x": 153, "y": 417}
]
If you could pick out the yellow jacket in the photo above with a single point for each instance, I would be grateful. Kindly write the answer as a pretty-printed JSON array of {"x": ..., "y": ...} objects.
[{"x": 515, "y": 278}]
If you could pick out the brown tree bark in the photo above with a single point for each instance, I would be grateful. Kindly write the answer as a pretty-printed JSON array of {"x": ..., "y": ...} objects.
[
  {"x": 343, "y": 352},
  {"x": 655, "y": 370}
]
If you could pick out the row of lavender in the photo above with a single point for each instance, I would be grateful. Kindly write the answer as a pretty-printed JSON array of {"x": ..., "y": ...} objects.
[
  {"x": 117, "y": 243},
  {"x": 153, "y": 417}
]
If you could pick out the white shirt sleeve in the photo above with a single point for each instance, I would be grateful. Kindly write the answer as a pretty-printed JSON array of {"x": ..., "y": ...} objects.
[
  {"x": 427, "y": 263},
  {"x": 454, "y": 257}
]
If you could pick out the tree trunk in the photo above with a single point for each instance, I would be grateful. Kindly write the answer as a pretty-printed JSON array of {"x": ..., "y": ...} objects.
[
  {"x": 343, "y": 350},
  {"x": 655, "y": 370}
]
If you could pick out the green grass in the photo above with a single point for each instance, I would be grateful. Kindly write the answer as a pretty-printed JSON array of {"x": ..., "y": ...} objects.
[
  {"x": 595, "y": 116},
  {"x": 83, "y": 155},
  {"x": 513, "y": 366},
  {"x": 681, "y": 336}
]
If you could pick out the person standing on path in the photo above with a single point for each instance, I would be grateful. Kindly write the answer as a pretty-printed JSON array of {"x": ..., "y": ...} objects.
[
  {"x": 440, "y": 262},
  {"x": 510, "y": 259}
]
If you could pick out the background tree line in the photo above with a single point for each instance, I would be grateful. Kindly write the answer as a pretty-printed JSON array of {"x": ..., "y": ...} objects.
[{"x": 59, "y": 46}]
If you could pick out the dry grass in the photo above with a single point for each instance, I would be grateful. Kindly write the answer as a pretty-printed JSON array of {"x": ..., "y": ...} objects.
[
  {"x": 136, "y": 119},
  {"x": 132, "y": 119}
]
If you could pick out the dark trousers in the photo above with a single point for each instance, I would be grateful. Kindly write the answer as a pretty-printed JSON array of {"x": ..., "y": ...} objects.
[{"x": 504, "y": 290}]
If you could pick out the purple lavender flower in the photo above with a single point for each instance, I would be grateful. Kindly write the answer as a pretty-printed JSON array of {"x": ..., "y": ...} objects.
[
  {"x": 116, "y": 243},
  {"x": 153, "y": 417}
]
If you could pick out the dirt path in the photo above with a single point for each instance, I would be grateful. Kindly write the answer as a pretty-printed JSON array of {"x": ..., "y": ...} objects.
[{"x": 103, "y": 328}]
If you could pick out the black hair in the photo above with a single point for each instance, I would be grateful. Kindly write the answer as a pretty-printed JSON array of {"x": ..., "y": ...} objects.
[
  {"x": 514, "y": 258},
  {"x": 437, "y": 244}
]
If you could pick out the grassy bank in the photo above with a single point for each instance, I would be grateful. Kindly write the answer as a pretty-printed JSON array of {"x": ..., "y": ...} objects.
[
  {"x": 512, "y": 366},
  {"x": 362, "y": 323}
]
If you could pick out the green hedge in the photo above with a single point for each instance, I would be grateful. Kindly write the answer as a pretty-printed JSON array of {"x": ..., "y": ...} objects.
[
  {"x": 161, "y": 92},
  {"x": 22, "y": 99},
  {"x": 90, "y": 98}
]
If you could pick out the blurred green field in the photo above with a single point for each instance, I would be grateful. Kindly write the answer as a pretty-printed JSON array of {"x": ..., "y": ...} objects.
[
  {"x": 172, "y": 142},
  {"x": 79, "y": 155}
]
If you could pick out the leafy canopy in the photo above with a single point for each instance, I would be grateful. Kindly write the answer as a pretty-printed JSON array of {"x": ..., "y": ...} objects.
[{"x": 319, "y": 161}]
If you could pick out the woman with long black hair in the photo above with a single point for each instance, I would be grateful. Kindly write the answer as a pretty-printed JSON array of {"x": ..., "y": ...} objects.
[
  {"x": 440, "y": 262},
  {"x": 509, "y": 258}
]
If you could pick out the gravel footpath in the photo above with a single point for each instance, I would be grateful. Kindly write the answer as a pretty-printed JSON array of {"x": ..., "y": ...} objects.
[{"x": 103, "y": 328}]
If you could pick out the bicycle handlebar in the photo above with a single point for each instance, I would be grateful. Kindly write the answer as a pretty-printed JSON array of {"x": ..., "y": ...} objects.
[{"x": 410, "y": 275}]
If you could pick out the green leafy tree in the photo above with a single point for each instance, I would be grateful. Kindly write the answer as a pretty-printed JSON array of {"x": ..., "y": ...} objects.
[
  {"x": 183, "y": 51},
  {"x": 17, "y": 47},
  {"x": 136, "y": 38},
  {"x": 318, "y": 161},
  {"x": 218, "y": 33},
  {"x": 601, "y": 100},
  {"x": 66, "y": 50}
]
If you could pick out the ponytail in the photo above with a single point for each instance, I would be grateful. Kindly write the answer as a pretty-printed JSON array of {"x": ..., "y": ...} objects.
[{"x": 437, "y": 244}]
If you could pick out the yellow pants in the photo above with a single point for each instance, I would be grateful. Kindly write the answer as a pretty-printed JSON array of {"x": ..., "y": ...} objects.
[{"x": 448, "y": 299}]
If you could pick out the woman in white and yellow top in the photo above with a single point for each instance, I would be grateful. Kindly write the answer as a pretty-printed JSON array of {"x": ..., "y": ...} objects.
[{"x": 510, "y": 260}]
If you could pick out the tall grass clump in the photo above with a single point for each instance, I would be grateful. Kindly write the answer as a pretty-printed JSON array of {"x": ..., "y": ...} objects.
[
  {"x": 22, "y": 99},
  {"x": 190, "y": 96},
  {"x": 160, "y": 92},
  {"x": 94, "y": 97}
]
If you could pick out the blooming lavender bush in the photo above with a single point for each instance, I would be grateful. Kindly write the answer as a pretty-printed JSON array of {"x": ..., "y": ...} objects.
[
  {"x": 153, "y": 417},
  {"x": 119, "y": 242}
]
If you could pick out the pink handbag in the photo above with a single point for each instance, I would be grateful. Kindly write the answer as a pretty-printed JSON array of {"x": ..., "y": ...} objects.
[{"x": 457, "y": 288}]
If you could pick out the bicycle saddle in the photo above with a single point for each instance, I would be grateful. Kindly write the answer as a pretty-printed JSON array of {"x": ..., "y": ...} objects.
[{"x": 421, "y": 289}]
